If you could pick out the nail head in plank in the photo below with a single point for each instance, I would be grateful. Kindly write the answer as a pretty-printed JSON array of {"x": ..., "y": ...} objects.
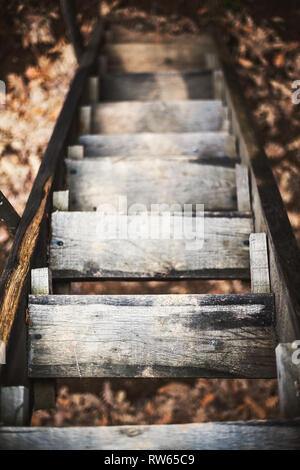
[
  {"x": 76, "y": 152},
  {"x": 288, "y": 372},
  {"x": 259, "y": 263},
  {"x": 61, "y": 201},
  {"x": 74, "y": 254},
  {"x": 41, "y": 281},
  {"x": 242, "y": 188},
  {"x": 138, "y": 335},
  {"x": 14, "y": 406},
  {"x": 85, "y": 117}
]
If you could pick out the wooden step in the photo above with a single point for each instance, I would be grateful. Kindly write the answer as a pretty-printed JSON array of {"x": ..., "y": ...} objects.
[
  {"x": 152, "y": 336},
  {"x": 91, "y": 245},
  {"x": 202, "y": 144},
  {"x": 147, "y": 181},
  {"x": 125, "y": 117},
  {"x": 138, "y": 57},
  {"x": 157, "y": 86},
  {"x": 238, "y": 435}
]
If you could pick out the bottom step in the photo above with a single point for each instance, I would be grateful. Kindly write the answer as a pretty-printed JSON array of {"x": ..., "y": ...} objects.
[
  {"x": 264, "y": 435},
  {"x": 152, "y": 336}
]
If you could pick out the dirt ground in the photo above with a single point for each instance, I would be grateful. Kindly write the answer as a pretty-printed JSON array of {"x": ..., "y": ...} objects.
[{"x": 37, "y": 66}]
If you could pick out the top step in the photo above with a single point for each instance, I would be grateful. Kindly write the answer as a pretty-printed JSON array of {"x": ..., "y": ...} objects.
[{"x": 139, "y": 57}]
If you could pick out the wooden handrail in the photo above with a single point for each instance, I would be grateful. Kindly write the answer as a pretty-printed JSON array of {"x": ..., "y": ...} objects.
[{"x": 30, "y": 243}]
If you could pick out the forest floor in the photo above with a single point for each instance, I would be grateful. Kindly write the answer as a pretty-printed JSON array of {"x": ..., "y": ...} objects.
[{"x": 37, "y": 67}]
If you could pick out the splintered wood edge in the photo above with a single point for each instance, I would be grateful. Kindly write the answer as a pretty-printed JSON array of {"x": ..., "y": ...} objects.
[{"x": 259, "y": 263}]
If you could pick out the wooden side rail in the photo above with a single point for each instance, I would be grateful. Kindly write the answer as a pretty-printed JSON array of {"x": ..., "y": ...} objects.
[
  {"x": 29, "y": 249},
  {"x": 269, "y": 211}
]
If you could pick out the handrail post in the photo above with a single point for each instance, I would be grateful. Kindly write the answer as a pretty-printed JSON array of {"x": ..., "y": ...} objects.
[{"x": 69, "y": 12}]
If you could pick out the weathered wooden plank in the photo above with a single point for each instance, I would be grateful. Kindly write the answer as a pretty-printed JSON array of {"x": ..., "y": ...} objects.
[
  {"x": 202, "y": 144},
  {"x": 157, "y": 86},
  {"x": 242, "y": 187},
  {"x": 93, "y": 90},
  {"x": 61, "y": 200},
  {"x": 95, "y": 245},
  {"x": 14, "y": 284},
  {"x": 14, "y": 406},
  {"x": 170, "y": 180},
  {"x": 251, "y": 435},
  {"x": 152, "y": 336},
  {"x": 85, "y": 119},
  {"x": 259, "y": 263},
  {"x": 268, "y": 207},
  {"x": 41, "y": 281},
  {"x": 138, "y": 57},
  {"x": 288, "y": 372},
  {"x": 8, "y": 216},
  {"x": 75, "y": 151},
  {"x": 125, "y": 117},
  {"x": 44, "y": 391}
]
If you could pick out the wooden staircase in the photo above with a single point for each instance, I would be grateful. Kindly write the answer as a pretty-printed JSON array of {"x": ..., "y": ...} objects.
[{"x": 158, "y": 124}]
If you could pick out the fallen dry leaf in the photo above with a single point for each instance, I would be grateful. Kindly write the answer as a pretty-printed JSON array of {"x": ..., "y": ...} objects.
[{"x": 279, "y": 60}]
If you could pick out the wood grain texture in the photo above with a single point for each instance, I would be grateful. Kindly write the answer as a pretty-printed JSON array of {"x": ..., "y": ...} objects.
[
  {"x": 243, "y": 189},
  {"x": 251, "y": 435},
  {"x": 8, "y": 216},
  {"x": 152, "y": 336},
  {"x": 126, "y": 117},
  {"x": 94, "y": 246},
  {"x": 157, "y": 86},
  {"x": 288, "y": 373},
  {"x": 259, "y": 263},
  {"x": 204, "y": 145},
  {"x": 61, "y": 200},
  {"x": 138, "y": 57},
  {"x": 14, "y": 406},
  {"x": 41, "y": 281},
  {"x": 14, "y": 284},
  {"x": 147, "y": 181}
]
